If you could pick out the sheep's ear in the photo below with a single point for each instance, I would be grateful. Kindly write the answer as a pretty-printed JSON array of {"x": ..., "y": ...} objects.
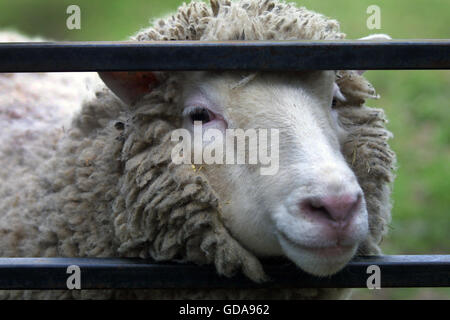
[
  {"x": 129, "y": 86},
  {"x": 374, "y": 37}
]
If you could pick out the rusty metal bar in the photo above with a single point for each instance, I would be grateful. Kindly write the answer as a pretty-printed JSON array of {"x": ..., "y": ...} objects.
[
  {"x": 117, "y": 273},
  {"x": 230, "y": 55}
]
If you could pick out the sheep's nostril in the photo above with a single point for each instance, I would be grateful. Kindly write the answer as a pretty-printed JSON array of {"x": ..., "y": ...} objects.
[{"x": 334, "y": 210}]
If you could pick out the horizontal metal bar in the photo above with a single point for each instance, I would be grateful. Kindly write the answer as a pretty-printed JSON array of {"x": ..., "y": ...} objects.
[
  {"x": 116, "y": 273},
  {"x": 230, "y": 55}
]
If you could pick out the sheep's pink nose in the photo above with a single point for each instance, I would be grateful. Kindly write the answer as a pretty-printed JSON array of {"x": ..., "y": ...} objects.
[{"x": 334, "y": 210}]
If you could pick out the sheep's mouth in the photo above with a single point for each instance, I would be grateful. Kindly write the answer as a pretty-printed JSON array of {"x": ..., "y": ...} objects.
[
  {"x": 321, "y": 251},
  {"x": 320, "y": 261}
]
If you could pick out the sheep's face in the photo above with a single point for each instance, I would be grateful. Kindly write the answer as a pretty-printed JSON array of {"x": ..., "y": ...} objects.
[{"x": 311, "y": 209}]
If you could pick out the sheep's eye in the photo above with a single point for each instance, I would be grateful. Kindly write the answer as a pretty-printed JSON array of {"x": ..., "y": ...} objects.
[{"x": 200, "y": 114}]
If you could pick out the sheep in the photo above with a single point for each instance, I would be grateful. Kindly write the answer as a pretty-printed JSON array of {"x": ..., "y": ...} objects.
[{"x": 106, "y": 185}]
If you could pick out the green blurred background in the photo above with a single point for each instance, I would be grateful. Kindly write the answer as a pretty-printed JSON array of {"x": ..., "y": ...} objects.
[{"x": 416, "y": 102}]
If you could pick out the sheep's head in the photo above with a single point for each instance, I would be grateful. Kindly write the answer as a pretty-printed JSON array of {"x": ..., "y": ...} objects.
[
  {"x": 327, "y": 196},
  {"x": 307, "y": 205}
]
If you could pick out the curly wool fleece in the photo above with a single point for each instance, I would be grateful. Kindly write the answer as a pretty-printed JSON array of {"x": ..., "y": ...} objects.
[{"x": 106, "y": 187}]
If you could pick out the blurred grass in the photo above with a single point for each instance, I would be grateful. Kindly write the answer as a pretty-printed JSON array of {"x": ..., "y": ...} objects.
[{"x": 416, "y": 102}]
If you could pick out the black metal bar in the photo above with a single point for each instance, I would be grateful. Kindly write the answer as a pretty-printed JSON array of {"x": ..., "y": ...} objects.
[
  {"x": 110, "y": 273},
  {"x": 230, "y": 55}
]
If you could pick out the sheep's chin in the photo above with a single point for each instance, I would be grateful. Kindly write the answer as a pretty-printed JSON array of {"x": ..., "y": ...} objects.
[{"x": 317, "y": 261}]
